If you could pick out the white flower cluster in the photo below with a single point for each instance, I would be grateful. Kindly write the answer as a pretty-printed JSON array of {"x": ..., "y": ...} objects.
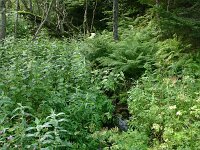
[{"x": 172, "y": 107}]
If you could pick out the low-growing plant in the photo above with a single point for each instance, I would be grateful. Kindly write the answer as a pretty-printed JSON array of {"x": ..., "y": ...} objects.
[
  {"x": 163, "y": 103},
  {"x": 44, "y": 75},
  {"x": 115, "y": 140},
  {"x": 48, "y": 135},
  {"x": 165, "y": 107},
  {"x": 129, "y": 55},
  {"x": 13, "y": 135}
]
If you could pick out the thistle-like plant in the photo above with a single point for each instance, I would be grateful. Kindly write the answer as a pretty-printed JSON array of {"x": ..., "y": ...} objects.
[
  {"x": 48, "y": 134},
  {"x": 14, "y": 136}
]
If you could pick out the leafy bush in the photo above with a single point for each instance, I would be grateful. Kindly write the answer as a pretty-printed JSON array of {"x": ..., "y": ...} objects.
[
  {"x": 129, "y": 55},
  {"x": 115, "y": 140},
  {"x": 51, "y": 92},
  {"x": 165, "y": 103},
  {"x": 45, "y": 75}
]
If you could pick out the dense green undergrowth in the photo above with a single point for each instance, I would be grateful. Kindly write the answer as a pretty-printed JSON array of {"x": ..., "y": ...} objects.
[
  {"x": 47, "y": 99},
  {"x": 163, "y": 101},
  {"x": 59, "y": 94}
]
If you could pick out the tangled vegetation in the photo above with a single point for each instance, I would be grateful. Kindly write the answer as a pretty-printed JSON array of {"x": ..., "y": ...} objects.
[{"x": 63, "y": 90}]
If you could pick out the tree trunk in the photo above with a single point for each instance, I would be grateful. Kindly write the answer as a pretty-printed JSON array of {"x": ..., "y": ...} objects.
[
  {"x": 85, "y": 23},
  {"x": 30, "y": 5},
  {"x": 157, "y": 3},
  {"x": 115, "y": 20},
  {"x": 2, "y": 20},
  {"x": 16, "y": 17},
  {"x": 93, "y": 15},
  {"x": 157, "y": 6},
  {"x": 25, "y": 4},
  {"x": 38, "y": 7},
  {"x": 168, "y": 4}
]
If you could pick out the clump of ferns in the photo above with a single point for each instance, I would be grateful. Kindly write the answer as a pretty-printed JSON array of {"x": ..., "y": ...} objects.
[{"x": 130, "y": 58}]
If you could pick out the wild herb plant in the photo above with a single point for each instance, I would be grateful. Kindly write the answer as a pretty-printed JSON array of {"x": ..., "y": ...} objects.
[
  {"x": 48, "y": 135},
  {"x": 45, "y": 76},
  {"x": 54, "y": 94},
  {"x": 163, "y": 101},
  {"x": 13, "y": 131}
]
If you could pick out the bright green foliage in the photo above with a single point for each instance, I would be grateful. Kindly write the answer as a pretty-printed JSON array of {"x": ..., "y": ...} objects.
[
  {"x": 132, "y": 53},
  {"x": 44, "y": 75},
  {"x": 49, "y": 134},
  {"x": 165, "y": 103},
  {"x": 128, "y": 55},
  {"x": 108, "y": 80},
  {"x": 40, "y": 136},
  {"x": 166, "y": 108},
  {"x": 52, "y": 92},
  {"x": 121, "y": 141}
]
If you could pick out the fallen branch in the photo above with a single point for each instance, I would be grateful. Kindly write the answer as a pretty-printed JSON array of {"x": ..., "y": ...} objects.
[{"x": 43, "y": 22}]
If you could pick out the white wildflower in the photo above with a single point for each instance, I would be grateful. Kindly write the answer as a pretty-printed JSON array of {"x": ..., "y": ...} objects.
[
  {"x": 178, "y": 113},
  {"x": 156, "y": 127},
  {"x": 172, "y": 107},
  {"x": 92, "y": 36}
]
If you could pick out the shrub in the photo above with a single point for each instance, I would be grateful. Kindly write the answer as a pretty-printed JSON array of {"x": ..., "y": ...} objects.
[
  {"x": 165, "y": 103},
  {"x": 50, "y": 74},
  {"x": 129, "y": 55}
]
